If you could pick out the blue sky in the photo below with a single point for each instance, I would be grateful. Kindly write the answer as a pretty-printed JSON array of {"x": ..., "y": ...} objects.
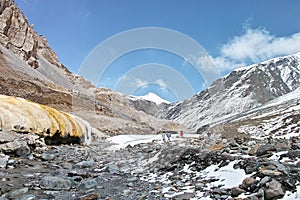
[{"x": 234, "y": 33}]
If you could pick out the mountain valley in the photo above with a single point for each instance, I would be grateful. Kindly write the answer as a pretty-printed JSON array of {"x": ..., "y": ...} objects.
[{"x": 61, "y": 137}]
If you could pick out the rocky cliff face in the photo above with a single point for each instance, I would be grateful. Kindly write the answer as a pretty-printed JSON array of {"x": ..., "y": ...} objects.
[
  {"x": 239, "y": 91},
  {"x": 18, "y": 36}
]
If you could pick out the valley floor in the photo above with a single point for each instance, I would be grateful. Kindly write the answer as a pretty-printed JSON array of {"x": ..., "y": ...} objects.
[{"x": 145, "y": 167}]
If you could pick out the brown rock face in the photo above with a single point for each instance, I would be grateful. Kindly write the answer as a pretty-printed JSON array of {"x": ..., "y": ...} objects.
[{"x": 18, "y": 36}]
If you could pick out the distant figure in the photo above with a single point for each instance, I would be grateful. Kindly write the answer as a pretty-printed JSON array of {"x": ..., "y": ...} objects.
[
  {"x": 163, "y": 134},
  {"x": 208, "y": 136},
  {"x": 181, "y": 134},
  {"x": 169, "y": 136}
]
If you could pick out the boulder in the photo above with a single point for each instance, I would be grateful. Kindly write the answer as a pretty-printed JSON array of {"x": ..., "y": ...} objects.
[
  {"x": 236, "y": 191},
  {"x": 265, "y": 149},
  {"x": 85, "y": 164},
  {"x": 18, "y": 148},
  {"x": 185, "y": 195},
  {"x": 8, "y": 136},
  {"x": 55, "y": 183},
  {"x": 16, "y": 194},
  {"x": 248, "y": 182},
  {"x": 264, "y": 180},
  {"x": 87, "y": 185},
  {"x": 3, "y": 160},
  {"x": 113, "y": 169},
  {"x": 274, "y": 190}
]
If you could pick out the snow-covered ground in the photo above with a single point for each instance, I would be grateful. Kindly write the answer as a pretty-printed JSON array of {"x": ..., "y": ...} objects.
[
  {"x": 121, "y": 141},
  {"x": 223, "y": 177},
  {"x": 292, "y": 195},
  {"x": 226, "y": 176}
]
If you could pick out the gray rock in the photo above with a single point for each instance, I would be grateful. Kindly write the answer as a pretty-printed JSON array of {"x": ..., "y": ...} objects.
[
  {"x": 264, "y": 180},
  {"x": 28, "y": 197},
  {"x": 251, "y": 143},
  {"x": 113, "y": 169},
  {"x": 261, "y": 193},
  {"x": 274, "y": 190},
  {"x": 17, "y": 193},
  {"x": 130, "y": 184},
  {"x": 252, "y": 166},
  {"x": 186, "y": 195},
  {"x": 126, "y": 192},
  {"x": 19, "y": 148},
  {"x": 55, "y": 183},
  {"x": 132, "y": 179},
  {"x": 295, "y": 146},
  {"x": 143, "y": 196},
  {"x": 233, "y": 144},
  {"x": 252, "y": 198},
  {"x": 264, "y": 149},
  {"x": 88, "y": 184},
  {"x": 292, "y": 154},
  {"x": 47, "y": 156},
  {"x": 85, "y": 164},
  {"x": 8, "y": 136},
  {"x": 236, "y": 191},
  {"x": 3, "y": 160},
  {"x": 93, "y": 196}
]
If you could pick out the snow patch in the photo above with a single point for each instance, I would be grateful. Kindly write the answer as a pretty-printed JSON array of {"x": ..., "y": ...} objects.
[
  {"x": 227, "y": 175},
  {"x": 154, "y": 98},
  {"x": 121, "y": 141},
  {"x": 292, "y": 195}
]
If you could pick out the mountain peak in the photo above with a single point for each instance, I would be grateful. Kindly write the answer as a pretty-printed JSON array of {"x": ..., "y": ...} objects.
[{"x": 154, "y": 98}]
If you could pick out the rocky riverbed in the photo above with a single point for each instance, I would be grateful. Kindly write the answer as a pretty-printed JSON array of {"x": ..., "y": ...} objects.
[{"x": 186, "y": 168}]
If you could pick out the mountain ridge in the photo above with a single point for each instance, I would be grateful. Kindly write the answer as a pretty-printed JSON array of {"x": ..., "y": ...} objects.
[{"x": 239, "y": 91}]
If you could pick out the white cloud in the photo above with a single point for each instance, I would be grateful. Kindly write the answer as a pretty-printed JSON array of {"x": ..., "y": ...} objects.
[
  {"x": 133, "y": 81},
  {"x": 224, "y": 64},
  {"x": 140, "y": 83},
  {"x": 206, "y": 63},
  {"x": 255, "y": 45},
  {"x": 161, "y": 83}
]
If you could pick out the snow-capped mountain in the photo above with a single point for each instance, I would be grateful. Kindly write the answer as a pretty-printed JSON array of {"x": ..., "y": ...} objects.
[
  {"x": 241, "y": 90},
  {"x": 149, "y": 103},
  {"x": 154, "y": 98}
]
